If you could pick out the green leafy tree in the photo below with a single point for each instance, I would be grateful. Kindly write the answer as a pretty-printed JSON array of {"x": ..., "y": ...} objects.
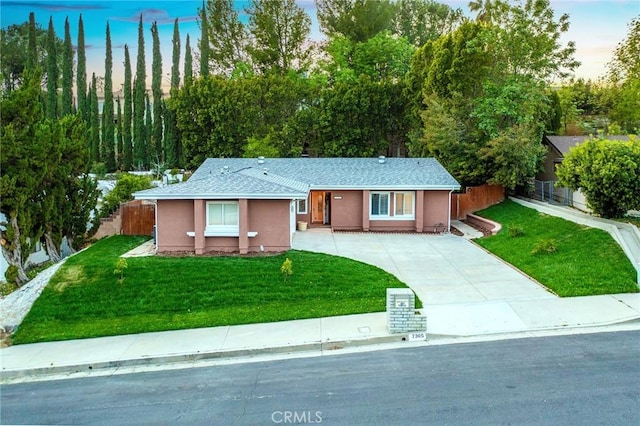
[
  {"x": 126, "y": 185},
  {"x": 204, "y": 41},
  {"x": 23, "y": 159},
  {"x": 188, "y": 63},
  {"x": 156, "y": 89},
  {"x": 81, "y": 73},
  {"x": 140, "y": 148},
  {"x": 127, "y": 115},
  {"x": 67, "y": 72},
  {"x": 423, "y": 20},
  {"x": 228, "y": 38},
  {"x": 52, "y": 73},
  {"x": 624, "y": 75},
  {"x": 356, "y": 20},
  {"x": 607, "y": 172},
  {"x": 108, "y": 131},
  {"x": 279, "y": 29}
]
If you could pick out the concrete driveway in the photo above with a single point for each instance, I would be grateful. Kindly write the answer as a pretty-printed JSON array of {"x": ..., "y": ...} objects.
[{"x": 440, "y": 269}]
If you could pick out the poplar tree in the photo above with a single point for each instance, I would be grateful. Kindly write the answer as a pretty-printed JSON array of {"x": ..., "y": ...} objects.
[
  {"x": 156, "y": 88},
  {"x": 188, "y": 63},
  {"x": 127, "y": 115},
  {"x": 107, "y": 111},
  {"x": 67, "y": 72},
  {"x": 139, "y": 139},
  {"x": 204, "y": 42},
  {"x": 81, "y": 73},
  {"x": 94, "y": 122},
  {"x": 52, "y": 73}
]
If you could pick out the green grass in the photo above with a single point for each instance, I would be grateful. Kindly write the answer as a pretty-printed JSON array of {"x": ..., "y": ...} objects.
[
  {"x": 84, "y": 298},
  {"x": 570, "y": 259}
]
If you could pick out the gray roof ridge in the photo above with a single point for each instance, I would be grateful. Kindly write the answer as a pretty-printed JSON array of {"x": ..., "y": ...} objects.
[{"x": 266, "y": 176}]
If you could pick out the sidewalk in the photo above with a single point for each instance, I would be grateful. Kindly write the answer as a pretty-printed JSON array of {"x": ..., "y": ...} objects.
[{"x": 445, "y": 324}]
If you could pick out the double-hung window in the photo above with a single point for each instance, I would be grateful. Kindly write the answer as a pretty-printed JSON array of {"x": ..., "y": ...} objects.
[
  {"x": 379, "y": 204},
  {"x": 222, "y": 219},
  {"x": 404, "y": 205}
]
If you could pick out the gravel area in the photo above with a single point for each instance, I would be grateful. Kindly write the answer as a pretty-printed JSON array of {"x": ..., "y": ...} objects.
[{"x": 15, "y": 306}]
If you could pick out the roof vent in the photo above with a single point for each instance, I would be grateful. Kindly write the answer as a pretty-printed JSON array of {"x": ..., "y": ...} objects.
[
  {"x": 261, "y": 160},
  {"x": 382, "y": 159},
  {"x": 264, "y": 171},
  {"x": 225, "y": 170}
]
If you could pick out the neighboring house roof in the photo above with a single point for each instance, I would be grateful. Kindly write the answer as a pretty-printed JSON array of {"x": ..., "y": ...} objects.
[
  {"x": 562, "y": 144},
  {"x": 293, "y": 177}
]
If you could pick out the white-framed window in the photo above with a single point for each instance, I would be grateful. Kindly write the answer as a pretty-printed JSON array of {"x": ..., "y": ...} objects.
[
  {"x": 379, "y": 204},
  {"x": 223, "y": 219},
  {"x": 405, "y": 205},
  {"x": 302, "y": 206}
]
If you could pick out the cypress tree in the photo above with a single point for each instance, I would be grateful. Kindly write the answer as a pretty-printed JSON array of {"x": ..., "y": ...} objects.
[
  {"x": 67, "y": 72},
  {"x": 156, "y": 88},
  {"x": 148, "y": 129},
  {"x": 172, "y": 139},
  {"x": 107, "y": 110},
  {"x": 81, "y": 73},
  {"x": 204, "y": 42},
  {"x": 52, "y": 73},
  {"x": 127, "y": 115},
  {"x": 139, "y": 139},
  {"x": 188, "y": 63},
  {"x": 32, "y": 49},
  {"x": 119, "y": 138},
  {"x": 94, "y": 122}
]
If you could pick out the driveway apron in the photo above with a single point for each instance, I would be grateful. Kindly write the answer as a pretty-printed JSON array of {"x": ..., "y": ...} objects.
[{"x": 440, "y": 269}]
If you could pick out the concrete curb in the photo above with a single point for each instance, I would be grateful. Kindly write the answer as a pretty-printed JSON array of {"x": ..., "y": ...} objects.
[
  {"x": 7, "y": 375},
  {"x": 43, "y": 373}
]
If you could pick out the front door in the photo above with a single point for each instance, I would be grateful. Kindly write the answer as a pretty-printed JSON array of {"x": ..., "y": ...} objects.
[{"x": 317, "y": 207}]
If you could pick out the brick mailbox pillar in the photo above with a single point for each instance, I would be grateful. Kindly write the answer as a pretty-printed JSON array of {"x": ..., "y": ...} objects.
[{"x": 401, "y": 314}]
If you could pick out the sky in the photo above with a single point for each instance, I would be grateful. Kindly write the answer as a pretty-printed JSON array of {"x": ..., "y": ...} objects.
[{"x": 597, "y": 26}]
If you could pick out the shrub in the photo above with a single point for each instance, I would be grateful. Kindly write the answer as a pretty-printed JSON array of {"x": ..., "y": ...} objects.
[
  {"x": 121, "y": 265},
  {"x": 607, "y": 172},
  {"x": 515, "y": 231},
  {"x": 287, "y": 268},
  {"x": 546, "y": 246}
]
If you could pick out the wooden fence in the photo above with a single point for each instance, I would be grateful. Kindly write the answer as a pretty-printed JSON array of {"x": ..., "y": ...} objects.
[
  {"x": 138, "y": 218},
  {"x": 475, "y": 198}
]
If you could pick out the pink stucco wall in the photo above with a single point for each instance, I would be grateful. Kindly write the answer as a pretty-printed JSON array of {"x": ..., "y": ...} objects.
[
  {"x": 436, "y": 209},
  {"x": 349, "y": 210},
  {"x": 174, "y": 219},
  {"x": 269, "y": 218}
]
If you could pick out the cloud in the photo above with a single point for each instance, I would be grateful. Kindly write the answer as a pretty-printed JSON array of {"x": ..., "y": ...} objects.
[
  {"x": 161, "y": 16},
  {"x": 54, "y": 7}
]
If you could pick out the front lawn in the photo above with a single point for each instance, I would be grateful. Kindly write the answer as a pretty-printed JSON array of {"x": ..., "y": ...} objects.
[
  {"x": 570, "y": 259},
  {"x": 84, "y": 299}
]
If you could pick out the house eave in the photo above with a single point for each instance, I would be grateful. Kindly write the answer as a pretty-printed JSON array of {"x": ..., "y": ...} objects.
[
  {"x": 229, "y": 196},
  {"x": 385, "y": 187}
]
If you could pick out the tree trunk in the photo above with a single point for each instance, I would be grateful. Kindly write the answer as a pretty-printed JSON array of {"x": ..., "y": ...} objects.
[
  {"x": 14, "y": 255},
  {"x": 52, "y": 250}
]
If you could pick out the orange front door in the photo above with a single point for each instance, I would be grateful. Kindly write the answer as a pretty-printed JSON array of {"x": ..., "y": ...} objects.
[{"x": 317, "y": 207}]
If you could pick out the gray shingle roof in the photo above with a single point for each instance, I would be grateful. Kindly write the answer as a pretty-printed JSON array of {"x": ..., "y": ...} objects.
[
  {"x": 290, "y": 177},
  {"x": 564, "y": 143}
]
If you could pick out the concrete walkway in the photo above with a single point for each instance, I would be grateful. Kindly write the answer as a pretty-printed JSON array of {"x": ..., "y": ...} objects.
[{"x": 467, "y": 294}]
